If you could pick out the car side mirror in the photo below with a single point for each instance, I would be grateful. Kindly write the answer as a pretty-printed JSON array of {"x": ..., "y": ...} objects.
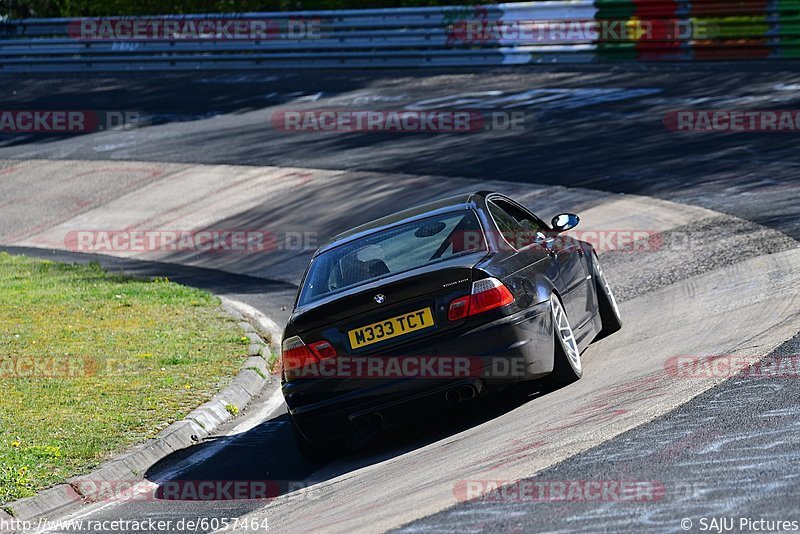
[{"x": 565, "y": 221}]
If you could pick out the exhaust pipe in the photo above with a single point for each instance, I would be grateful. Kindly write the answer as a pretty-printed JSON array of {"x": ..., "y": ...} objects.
[
  {"x": 467, "y": 392},
  {"x": 368, "y": 421},
  {"x": 361, "y": 422},
  {"x": 452, "y": 396}
]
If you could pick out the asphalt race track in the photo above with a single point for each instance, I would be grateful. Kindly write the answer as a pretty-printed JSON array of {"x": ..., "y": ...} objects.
[{"x": 722, "y": 281}]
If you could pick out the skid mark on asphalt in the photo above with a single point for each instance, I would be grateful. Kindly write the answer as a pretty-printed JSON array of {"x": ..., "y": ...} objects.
[
  {"x": 187, "y": 209},
  {"x": 600, "y": 408},
  {"x": 729, "y": 452},
  {"x": 292, "y": 201},
  {"x": 57, "y": 193},
  {"x": 193, "y": 199}
]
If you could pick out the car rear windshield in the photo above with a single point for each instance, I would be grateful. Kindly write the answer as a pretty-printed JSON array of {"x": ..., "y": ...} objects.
[{"x": 395, "y": 250}]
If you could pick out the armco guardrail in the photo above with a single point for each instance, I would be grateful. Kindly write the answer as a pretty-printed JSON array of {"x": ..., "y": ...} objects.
[{"x": 502, "y": 34}]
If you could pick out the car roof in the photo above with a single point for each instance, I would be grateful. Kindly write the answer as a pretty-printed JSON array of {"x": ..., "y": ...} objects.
[{"x": 445, "y": 205}]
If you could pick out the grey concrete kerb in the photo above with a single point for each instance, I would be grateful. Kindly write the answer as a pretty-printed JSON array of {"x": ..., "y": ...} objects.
[
  {"x": 266, "y": 327},
  {"x": 264, "y": 336}
]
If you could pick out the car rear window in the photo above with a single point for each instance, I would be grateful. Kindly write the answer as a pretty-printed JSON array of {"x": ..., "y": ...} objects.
[{"x": 395, "y": 250}]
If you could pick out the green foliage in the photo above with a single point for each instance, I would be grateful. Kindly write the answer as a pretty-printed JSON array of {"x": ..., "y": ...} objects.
[{"x": 93, "y": 362}]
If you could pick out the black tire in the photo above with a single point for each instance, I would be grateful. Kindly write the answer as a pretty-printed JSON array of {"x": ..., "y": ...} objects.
[
  {"x": 609, "y": 310},
  {"x": 567, "y": 366}
]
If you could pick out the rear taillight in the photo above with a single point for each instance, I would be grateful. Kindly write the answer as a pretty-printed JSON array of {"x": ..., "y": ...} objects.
[
  {"x": 296, "y": 354},
  {"x": 487, "y": 294}
]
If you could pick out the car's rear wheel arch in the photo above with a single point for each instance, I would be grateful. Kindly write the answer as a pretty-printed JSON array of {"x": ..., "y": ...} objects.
[{"x": 539, "y": 289}]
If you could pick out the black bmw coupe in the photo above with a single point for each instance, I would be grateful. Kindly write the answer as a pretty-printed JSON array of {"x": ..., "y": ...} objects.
[{"x": 435, "y": 306}]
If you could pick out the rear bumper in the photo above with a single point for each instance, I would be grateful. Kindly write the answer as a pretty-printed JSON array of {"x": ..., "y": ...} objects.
[{"x": 511, "y": 349}]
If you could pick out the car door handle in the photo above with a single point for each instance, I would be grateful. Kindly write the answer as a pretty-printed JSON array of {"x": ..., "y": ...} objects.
[{"x": 552, "y": 252}]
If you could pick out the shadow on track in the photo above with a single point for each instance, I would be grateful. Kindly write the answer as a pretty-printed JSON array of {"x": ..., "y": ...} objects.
[
  {"x": 582, "y": 136},
  {"x": 268, "y": 453},
  {"x": 266, "y": 457}
]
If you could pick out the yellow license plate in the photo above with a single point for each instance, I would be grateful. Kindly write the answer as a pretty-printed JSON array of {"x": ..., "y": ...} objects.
[{"x": 394, "y": 327}]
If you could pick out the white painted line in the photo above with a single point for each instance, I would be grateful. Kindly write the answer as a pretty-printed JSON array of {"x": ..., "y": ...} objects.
[{"x": 265, "y": 412}]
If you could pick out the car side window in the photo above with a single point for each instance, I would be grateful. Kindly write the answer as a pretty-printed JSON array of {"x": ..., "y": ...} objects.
[
  {"x": 517, "y": 227},
  {"x": 505, "y": 221}
]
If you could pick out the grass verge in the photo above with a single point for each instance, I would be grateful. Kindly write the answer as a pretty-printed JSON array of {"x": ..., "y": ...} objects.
[{"x": 93, "y": 362}]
